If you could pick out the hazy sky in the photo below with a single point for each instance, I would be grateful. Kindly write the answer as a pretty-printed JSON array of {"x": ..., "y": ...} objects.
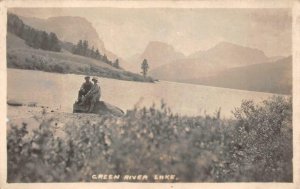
[{"x": 128, "y": 31}]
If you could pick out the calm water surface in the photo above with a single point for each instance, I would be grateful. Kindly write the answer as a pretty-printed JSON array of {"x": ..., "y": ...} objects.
[{"x": 60, "y": 90}]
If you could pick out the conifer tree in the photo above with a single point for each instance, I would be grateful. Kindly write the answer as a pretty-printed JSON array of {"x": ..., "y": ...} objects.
[{"x": 145, "y": 67}]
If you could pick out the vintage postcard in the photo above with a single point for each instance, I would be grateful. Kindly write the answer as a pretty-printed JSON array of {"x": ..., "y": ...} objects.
[{"x": 174, "y": 94}]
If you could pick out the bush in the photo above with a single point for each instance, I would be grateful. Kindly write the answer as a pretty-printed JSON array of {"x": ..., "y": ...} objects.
[
  {"x": 58, "y": 68},
  {"x": 257, "y": 146},
  {"x": 262, "y": 149}
]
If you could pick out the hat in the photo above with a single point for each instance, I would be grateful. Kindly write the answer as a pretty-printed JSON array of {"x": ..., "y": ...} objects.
[
  {"x": 95, "y": 79},
  {"x": 87, "y": 77}
]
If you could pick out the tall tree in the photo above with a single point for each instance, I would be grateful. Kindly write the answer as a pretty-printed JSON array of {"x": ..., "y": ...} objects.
[
  {"x": 54, "y": 42},
  {"x": 116, "y": 64},
  {"x": 97, "y": 55},
  {"x": 92, "y": 54},
  {"x": 79, "y": 48},
  {"x": 145, "y": 67},
  {"x": 44, "y": 41},
  {"x": 85, "y": 47},
  {"x": 104, "y": 58},
  {"x": 37, "y": 40}
]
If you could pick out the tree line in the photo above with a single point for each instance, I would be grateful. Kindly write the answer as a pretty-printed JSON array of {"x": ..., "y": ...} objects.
[
  {"x": 34, "y": 38},
  {"x": 82, "y": 48}
]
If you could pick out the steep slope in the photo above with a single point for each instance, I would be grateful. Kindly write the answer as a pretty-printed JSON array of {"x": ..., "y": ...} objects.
[
  {"x": 14, "y": 41},
  {"x": 274, "y": 77},
  {"x": 205, "y": 63},
  {"x": 67, "y": 28},
  {"x": 157, "y": 53},
  {"x": 70, "y": 29}
]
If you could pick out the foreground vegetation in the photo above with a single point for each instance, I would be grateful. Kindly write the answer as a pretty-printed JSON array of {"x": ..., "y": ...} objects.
[{"x": 255, "y": 146}]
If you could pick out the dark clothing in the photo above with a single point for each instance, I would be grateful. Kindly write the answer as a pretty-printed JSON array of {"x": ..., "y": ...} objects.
[
  {"x": 81, "y": 94},
  {"x": 85, "y": 88},
  {"x": 93, "y": 96}
]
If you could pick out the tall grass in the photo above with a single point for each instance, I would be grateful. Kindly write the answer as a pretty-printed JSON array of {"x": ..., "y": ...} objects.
[{"x": 255, "y": 146}]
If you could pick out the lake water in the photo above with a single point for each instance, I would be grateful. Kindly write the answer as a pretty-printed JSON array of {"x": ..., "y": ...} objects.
[{"x": 60, "y": 91}]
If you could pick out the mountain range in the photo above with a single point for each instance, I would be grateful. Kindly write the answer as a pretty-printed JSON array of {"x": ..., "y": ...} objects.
[
  {"x": 224, "y": 65},
  {"x": 206, "y": 63},
  {"x": 273, "y": 77},
  {"x": 70, "y": 29}
]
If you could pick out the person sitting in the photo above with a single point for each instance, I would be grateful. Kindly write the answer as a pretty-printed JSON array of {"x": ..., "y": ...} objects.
[
  {"x": 93, "y": 96},
  {"x": 84, "y": 89}
]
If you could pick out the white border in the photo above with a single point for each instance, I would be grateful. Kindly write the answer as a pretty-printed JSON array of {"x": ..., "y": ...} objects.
[{"x": 154, "y": 4}]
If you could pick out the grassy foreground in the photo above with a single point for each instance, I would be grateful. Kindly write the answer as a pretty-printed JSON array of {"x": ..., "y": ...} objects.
[{"x": 256, "y": 146}]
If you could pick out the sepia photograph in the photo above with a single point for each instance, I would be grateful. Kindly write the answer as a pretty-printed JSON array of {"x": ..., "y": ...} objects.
[{"x": 149, "y": 95}]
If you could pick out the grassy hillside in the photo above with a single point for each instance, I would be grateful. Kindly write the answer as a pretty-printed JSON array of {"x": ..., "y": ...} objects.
[
  {"x": 275, "y": 77},
  {"x": 20, "y": 56},
  {"x": 15, "y": 42}
]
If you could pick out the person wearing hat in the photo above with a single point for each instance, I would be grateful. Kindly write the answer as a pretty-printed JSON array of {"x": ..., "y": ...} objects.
[
  {"x": 93, "y": 96},
  {"x": 85, "y": 88}
]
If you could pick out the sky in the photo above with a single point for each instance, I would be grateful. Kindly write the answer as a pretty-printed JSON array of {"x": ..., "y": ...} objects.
[{"x": 127, "y": 31}]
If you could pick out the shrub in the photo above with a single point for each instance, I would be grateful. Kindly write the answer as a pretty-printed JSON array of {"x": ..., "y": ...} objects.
[
  {"x": 262, "y": 149},
  {"x": 58, "y": 68},
  {"x": 257, "y": 146}
]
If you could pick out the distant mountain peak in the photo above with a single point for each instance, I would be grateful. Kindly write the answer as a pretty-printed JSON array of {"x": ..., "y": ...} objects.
[
  {"x": 232, "y": 46},
  {"x": 160, "y": 48},
  {"x": 227, "y": 50},
  {"x": 226, "y": 44},
  {"x": 157, "y": 53},
  {"x": 159, "y": 43}
]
